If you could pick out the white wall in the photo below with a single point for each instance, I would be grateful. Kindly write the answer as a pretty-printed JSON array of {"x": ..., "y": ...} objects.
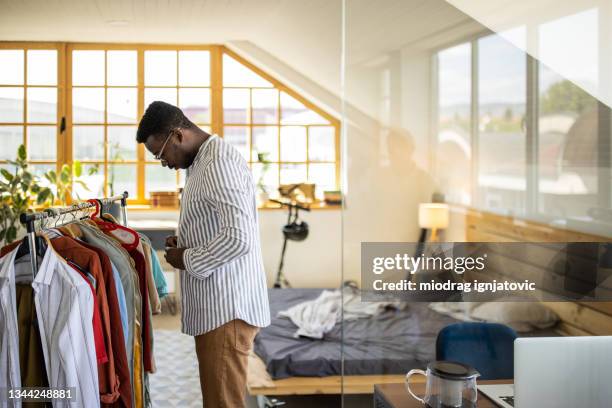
[{"x": 313, "y": 263}]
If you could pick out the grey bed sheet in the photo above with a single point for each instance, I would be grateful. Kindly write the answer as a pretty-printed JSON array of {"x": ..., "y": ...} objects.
[{"x": 393, "y": 342}]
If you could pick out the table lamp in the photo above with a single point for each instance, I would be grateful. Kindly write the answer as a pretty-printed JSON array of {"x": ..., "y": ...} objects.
[{"x": 433, "y": 216}]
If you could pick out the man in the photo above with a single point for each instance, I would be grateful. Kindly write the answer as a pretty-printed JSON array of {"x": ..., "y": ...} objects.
[{"x": 223, "y": 286}]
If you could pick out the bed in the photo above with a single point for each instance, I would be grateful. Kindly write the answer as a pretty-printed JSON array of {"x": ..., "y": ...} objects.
[{"x": 379, "y": 349}]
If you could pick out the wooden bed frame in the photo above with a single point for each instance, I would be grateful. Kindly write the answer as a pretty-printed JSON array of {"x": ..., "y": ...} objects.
[{"x": 577, "y": 319}]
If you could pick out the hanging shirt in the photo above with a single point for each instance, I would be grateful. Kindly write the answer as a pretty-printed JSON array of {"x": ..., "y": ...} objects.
[
  {"x": 122, "y": 304},
  {"x": 88, "y": 260},
  {"x": 116, "y": 336},
  {"x": 129, "y": 280},
  {"x": 10, "y": 375},
  {"x": 64, "y": 307},
  {"x": 161, "y": 285},
  {"x": 224, "y": 277}
]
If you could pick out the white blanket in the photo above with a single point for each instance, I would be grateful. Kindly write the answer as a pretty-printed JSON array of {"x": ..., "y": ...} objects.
[{"x": 316, "y": 317}]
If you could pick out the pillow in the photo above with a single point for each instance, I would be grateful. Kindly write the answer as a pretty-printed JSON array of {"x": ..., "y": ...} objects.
[{"x": 521, "y": 316}]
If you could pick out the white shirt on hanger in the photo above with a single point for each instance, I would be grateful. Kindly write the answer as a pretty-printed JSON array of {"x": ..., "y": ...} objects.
[
  {"x": 64, "y": 307},
  {"x": 10, "y": 374}
]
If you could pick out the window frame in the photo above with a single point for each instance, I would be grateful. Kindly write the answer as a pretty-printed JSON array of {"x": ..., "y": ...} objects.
[
  {"x": 64, "y": 139},
  {"x": 532, "y": 194}
]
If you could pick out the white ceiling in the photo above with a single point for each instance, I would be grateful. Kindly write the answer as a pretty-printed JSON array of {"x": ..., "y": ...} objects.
[{"x": 306, "y": 34}]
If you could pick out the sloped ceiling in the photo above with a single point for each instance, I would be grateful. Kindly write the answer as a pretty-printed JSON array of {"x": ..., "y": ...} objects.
[{"x": 305, "y": 34}]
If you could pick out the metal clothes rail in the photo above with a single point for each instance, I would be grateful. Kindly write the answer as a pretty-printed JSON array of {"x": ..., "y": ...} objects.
[{"x": 29, "y": 219}]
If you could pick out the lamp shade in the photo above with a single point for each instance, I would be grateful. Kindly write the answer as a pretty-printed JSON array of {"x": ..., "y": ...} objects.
[{"x": 433, "y": 215}]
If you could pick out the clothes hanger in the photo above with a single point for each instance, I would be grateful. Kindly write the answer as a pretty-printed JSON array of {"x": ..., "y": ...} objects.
[{"x": 128, "y": 237}]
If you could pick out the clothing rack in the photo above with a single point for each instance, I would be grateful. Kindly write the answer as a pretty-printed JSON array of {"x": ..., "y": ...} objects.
[{"x": 29, "y": 219}]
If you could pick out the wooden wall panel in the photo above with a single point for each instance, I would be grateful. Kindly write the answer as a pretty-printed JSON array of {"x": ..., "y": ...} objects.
[{"x": 577, "y": 318}]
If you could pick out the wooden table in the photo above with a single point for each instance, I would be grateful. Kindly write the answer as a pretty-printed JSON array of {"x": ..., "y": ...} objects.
[{"x": 396, "y": 396}]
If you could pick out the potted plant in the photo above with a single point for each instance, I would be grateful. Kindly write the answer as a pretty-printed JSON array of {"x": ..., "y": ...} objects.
[
  {"x": 19, "y": 190},
  {"x": 63, "y": 183}
]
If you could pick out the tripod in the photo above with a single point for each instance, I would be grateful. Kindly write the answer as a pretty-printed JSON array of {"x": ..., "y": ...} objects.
[{"x": 294, "y": 231}]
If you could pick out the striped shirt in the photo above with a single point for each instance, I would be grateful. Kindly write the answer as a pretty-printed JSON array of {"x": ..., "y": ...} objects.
[{"x": 224, "y": 277}]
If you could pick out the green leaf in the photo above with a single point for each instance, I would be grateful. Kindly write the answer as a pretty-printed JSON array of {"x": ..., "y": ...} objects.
[
  {"x": 78, "y": 168},
  {"x": 27, "y": 177},
  {"x": 43, "y": 195},
  {"x": 82, "y": 184},
  {"x": 35, "y": 188},
  {"x": 11, "y": 234},
  {"x": 2, "y": 234},
  {"x": 21, "y": 152},
  {"x": 65, "y": 175},
  {"x": 7, "y": 175}
]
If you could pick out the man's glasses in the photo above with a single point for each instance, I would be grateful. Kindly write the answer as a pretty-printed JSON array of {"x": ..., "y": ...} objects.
[{"x": 158, "y": 156}]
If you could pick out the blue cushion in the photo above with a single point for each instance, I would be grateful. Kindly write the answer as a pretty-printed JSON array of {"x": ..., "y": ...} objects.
[{"x": 488, "y": 347}]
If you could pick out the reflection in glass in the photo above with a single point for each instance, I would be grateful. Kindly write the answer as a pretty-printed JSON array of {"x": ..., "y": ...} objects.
[
  {"x": 42, "y": 105},
  {"x": 121, "y": 178},
  {"x": 294, "y": 112},
  {"x": 87, "y": 67},
  {"x": 88, "y": 142},
  {"x": 293, "y": 173},
  {"x": 293, "y": 143},
  {"x": 570, "y": 46},
  {"x": 11, "y": 62},
  {"x": 236, "y": 74},
  {"x": 10, "y": 139},
  {"x": 122, "y": 68},
  {"x": 159, "y": 178},
  {"x": 238, "y": 136},
  {"x": 121, "y": 143},
  {"x": 194, "y": 68},
  {"x": 265, "y": 105},
  {"x": 568, "y": 147},
  {"x": 160, "y": 68},
  {"x": 265, "y": 140},
  {"x": 454, "y": 141},
  {"x": 501, "y": 131},
  {"x": 121, "y": 105},
  {"x": 167, "y": 95},
  {"x": 11, "y": 105},
  {"x": 88, "y": 105},
  {"x": 236, "y": 106},
  {"x": 42, "y": 142},
  {"x": 195, "y": 104},
  {"x": 42, "y": 67},
  {"x": 321, "y": 143}
]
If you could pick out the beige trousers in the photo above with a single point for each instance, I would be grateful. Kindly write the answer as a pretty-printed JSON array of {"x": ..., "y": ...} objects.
[{"x": 222, "y": 357}]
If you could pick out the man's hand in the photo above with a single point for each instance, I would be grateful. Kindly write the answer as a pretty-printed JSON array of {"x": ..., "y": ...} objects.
[
  {"x": 174, "y": 256},
  {"x": 171, "y": 241}
]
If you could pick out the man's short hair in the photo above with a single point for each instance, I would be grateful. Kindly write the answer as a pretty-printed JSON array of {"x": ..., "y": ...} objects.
[{"x": 159, "y": 119}]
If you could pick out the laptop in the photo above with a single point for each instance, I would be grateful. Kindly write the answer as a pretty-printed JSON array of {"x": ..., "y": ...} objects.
[{"x": 558, "y": 372}]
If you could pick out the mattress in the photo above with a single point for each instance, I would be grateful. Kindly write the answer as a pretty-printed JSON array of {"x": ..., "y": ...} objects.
[{"x": 392, "y": 342}]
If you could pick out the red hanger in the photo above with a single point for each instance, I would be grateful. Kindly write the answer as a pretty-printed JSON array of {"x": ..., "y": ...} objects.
[{"x": 109, "y": 227}]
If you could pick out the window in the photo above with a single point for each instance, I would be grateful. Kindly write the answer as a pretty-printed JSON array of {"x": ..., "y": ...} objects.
[
  {"x": 502, "y": 98},
  {"x": 29, "y": 84},
  {"x": 283, "y": 137},
  {"x": 453, "y": 142},
  {"x": 541, "y": 142},
  {"x": 283, "y": 140},
  {"x": 568, "y": 118}
]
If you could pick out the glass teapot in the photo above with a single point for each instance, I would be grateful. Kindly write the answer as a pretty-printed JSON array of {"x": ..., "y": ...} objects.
[{"x": 449, "y": 385}]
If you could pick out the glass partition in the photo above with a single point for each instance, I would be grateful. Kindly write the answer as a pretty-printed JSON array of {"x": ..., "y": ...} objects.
[{"x": 467, "y": 138}]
